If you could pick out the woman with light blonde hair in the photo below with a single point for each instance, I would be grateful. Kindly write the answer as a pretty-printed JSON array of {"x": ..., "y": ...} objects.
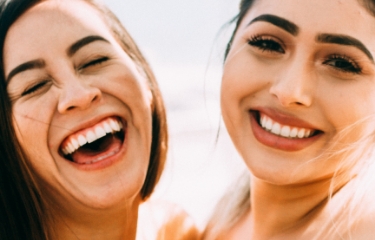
[{"x": 298, "y": 100}]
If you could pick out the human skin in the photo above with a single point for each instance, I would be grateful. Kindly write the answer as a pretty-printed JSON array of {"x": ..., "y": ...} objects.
[
  {"x": 299, "y": 81},
  {"x": 70, "y": 92}
]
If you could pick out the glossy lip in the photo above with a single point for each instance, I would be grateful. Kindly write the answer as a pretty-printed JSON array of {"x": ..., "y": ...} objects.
[
  {"x": 279, "y": 142},
  {"x": 285, "y": 119},
  {"x": 107, "y": 161}
]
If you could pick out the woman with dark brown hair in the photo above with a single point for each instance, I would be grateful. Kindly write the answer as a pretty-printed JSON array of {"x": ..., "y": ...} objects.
[
  {"x": 298, "y": 100},
  {"x": 83, "y": 122}
]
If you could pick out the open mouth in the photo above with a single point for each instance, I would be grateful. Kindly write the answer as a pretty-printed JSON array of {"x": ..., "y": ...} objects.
[
  {"x": 283, "y": 130},
  {"x": 96, "y": 143}
]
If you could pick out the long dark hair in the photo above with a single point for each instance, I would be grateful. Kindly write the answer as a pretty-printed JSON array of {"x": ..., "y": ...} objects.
[
  {"x": 21, "y": 204},
  {"x": 20, "y": 207}
]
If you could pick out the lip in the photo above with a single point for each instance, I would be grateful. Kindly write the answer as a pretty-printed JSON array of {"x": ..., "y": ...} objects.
[
  {"x": 279, "y": 142},
  {"x": 285, "y": 119},
  {"x": 105, "y": 162}
]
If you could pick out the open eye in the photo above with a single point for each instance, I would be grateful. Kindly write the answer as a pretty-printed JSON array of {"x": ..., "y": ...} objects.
[
  {"x": 34, "y": 88},
  {"x": 343, "y": 63},
  {"x": 266, "y": 43},
  {"x": 94, "y": 62}
]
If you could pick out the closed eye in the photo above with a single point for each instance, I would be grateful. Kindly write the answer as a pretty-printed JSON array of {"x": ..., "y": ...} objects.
[
  {"x": 94, "y": 62},
  {"x": 34, "y": 88}
]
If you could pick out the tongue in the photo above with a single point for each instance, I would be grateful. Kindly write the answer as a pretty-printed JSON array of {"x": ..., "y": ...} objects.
[{"x": 95, "y": 152}]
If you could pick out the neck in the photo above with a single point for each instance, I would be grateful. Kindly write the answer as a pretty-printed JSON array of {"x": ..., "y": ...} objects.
[
  {"x": 280, "y": 210},
  {"x": 117, "y": 223}
]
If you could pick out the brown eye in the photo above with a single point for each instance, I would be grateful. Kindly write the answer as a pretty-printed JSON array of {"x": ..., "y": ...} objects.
[
  {"x": 266, "y": 44},
  {"x": 343, "y": 63}
]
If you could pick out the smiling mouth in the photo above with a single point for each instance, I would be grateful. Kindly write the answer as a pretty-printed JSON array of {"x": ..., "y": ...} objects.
[
  {"x": 282, "y": 130},
  {"x": 96, "y": 143}
]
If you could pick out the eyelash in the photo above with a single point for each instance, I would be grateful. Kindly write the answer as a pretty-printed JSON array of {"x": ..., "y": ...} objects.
[
  {"x": 266, "y": 44},
  {"x": 349, "y": 66},
  {"x": 34, "y": 88},
  {"x": 39, "y": 85},
  {"x": 95, "y": 62}
]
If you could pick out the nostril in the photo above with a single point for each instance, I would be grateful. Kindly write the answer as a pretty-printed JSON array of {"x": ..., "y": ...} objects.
[{"x": 70, "y": 108}]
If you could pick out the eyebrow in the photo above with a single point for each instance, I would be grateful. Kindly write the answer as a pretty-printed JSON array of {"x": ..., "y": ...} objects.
[
  {"x": 277, "y": 21},
  {"x": 39, "y": 63},
  {"x": 343, "y": 40},
  {"x": 34, "y": 64},
  {"x": 83, "y": 42}
]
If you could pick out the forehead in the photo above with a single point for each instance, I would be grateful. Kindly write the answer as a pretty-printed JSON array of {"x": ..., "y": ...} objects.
[
  {"x": 320, "y": 15},
  {"x": 54, "y": 24}
]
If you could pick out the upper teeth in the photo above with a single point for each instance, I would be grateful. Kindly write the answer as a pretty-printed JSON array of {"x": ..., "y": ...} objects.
[
  {"x": 98, "y": 131},
  {"x": 284, "y": 130}
]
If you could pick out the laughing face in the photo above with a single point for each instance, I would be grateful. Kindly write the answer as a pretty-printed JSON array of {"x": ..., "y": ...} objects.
[
  {"x": 81, "y": 107},
  {"x": 299, "y": 74}
]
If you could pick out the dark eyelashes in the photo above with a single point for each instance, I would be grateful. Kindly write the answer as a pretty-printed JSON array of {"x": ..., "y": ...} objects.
[
  {"x": 41, "y": 84},
  {"x": 266, "y": 43},
  {"x": 95, "y": 62},
  {"x": 339, "y": 62},
  {"x": 343, "y": 63},
  {"x": 34, "y": 88}
]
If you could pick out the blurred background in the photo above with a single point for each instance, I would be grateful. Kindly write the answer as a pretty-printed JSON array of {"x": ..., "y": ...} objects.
[{"x": 184, "y": 42}]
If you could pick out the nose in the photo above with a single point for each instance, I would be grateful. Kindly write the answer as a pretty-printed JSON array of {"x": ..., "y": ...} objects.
[
  {"x": 77, "y": 94},
  {"x": 294, "y": 87}
]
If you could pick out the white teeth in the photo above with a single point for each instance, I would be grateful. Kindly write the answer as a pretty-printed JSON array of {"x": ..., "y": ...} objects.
[
  {"x": 70, "y": 147},
  {"x": 307, "y": 133},
  {"x": 294, "y": 133},
  {"x": 263, "y": 121},
  {"x": 82, "y": 140},
  {"x": 276, "y": 129},
  {"x": 75, "y": 144},
  {"x": 114, "y": 125},
  {"x": 301, "y": 133},
  {"x": 99, "y": 131},
  {"x": 107, "y": 128},
  {"x": 90, "y": 136},
  {"x": 283, "y": 130},
  {"x": 66, "y": 152},
  {"x": 269, "y": 124}
]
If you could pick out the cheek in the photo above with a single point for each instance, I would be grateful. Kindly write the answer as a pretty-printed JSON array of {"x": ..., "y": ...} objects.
[
  {"x": 31, "y": 121},
  {"x": 242, "y": 80},
  {"x": 350, "y": 109}
]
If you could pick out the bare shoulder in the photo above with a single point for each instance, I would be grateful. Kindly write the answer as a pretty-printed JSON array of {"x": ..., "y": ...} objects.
[{"x": 161, "y": 220}]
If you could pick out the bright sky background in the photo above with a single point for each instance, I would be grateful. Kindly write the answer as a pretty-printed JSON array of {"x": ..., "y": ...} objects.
[{"x": 183, "y": 42}]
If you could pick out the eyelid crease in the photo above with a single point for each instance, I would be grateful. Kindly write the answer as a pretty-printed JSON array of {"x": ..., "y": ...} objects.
[
  {"x": 33, "y": 88},
  {"x": 94, "y": 61},
  {"x": 357, "y": 68}
]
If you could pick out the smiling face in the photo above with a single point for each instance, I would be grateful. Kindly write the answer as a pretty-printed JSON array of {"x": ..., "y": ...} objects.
[
  {"x": 81, "y": 107},
  {"x": 297, "y": 74}
]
